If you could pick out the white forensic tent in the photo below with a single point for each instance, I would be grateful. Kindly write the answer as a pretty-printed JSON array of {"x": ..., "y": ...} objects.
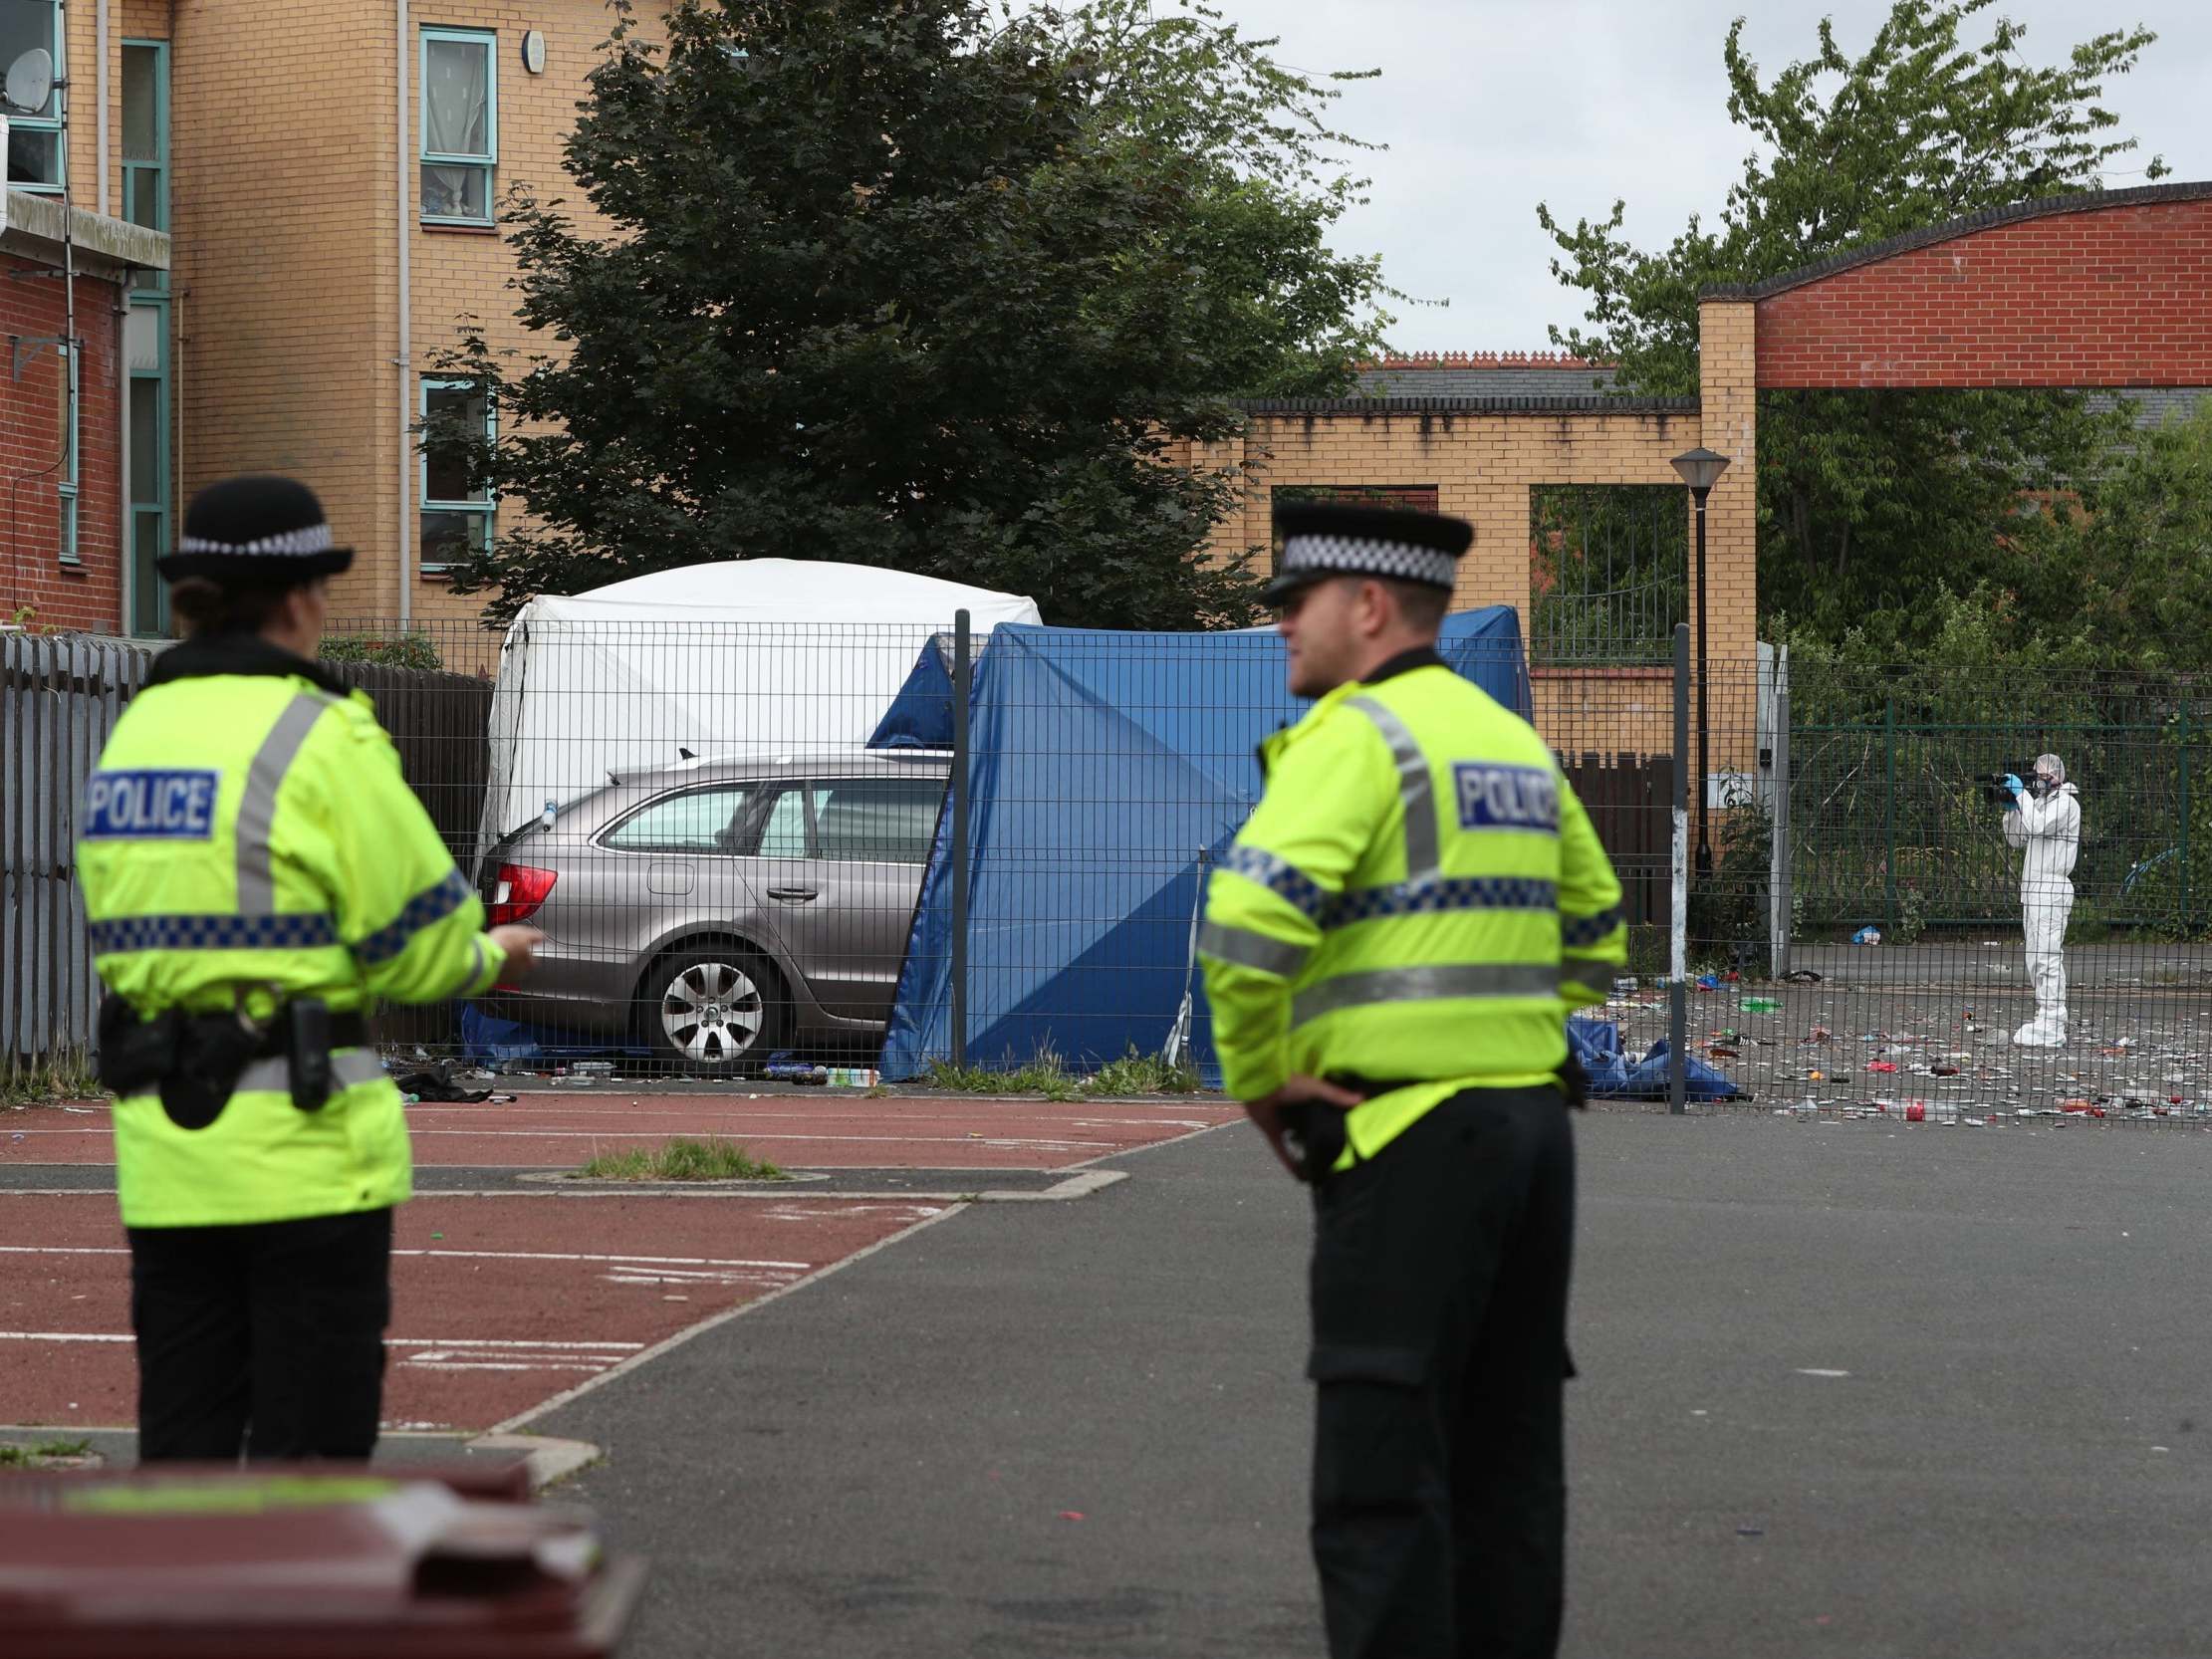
[{"x": 754, "y": 657}]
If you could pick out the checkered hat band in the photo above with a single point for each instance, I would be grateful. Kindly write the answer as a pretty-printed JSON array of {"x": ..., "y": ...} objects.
[
  {"x": 314, "y": 538},
  {"x": 1358, "y": 555}
]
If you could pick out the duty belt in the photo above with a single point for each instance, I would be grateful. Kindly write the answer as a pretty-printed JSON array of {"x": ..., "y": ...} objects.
[{"x": 195, "y": 1060}]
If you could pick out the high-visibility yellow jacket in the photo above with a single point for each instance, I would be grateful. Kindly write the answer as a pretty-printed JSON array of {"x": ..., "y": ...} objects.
[
  {"x": 1417, "y": 900},
  {"x": 248, "y": 838}
]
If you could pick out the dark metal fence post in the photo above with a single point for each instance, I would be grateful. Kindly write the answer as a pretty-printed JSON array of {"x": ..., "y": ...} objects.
[
  {"x": 1890, "y": 810},
  {"x": 960, "y": 671},
  {"x": 1778, "y": 863},
  {"x": 1679, "y": 990},
  {"x": 2187, "y": 923}
]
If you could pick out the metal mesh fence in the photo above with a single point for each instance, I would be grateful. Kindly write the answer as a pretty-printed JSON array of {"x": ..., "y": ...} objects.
[
  {"x": 754, "y": 845},
  {"x": 1862, "y": 895}
]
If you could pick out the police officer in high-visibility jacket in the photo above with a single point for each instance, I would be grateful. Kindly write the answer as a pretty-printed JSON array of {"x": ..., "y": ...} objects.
[
  {"x": 255, "y": 872},
  {"x": 1392, "y": 947}
]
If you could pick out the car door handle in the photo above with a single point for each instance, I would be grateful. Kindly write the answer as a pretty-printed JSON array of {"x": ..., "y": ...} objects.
[{"x": 794, "y": 895}]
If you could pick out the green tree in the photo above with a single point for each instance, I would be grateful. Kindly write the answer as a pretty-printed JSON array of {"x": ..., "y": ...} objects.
[
  {"x": 2126, "y": 566},
  {"x": 1869, "y": 499},
  {"x": 914, "y": 287}
]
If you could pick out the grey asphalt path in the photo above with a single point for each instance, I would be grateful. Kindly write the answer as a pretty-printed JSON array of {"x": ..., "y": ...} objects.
[{"x": 2011, "y": 1465}]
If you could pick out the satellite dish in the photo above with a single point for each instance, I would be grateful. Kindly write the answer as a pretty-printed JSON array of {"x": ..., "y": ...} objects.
[{"x": 29, "y": 81}]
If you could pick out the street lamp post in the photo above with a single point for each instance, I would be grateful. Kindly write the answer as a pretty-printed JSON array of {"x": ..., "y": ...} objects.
[{"x": 1700, "y": 469}]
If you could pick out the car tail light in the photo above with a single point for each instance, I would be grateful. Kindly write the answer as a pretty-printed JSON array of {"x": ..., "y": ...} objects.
[{"x": 517, "y": 891}]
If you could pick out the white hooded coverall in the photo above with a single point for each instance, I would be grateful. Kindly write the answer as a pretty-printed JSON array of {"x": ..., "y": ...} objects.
[{"x": 2050, "y": 829}]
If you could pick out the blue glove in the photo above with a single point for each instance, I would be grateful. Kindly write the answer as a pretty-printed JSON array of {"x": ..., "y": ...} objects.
[{"x": 2012, "y": 788}]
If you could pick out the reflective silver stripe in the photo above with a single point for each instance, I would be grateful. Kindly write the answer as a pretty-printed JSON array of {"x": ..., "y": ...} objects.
[
  {"x": 257, "y": 811},
  {"x": 1415, "y": 787},
  {"x": 273, "y": 1076},
  {"x": 1420, "y": 984},
  {"x": 1252, "y": 950}
]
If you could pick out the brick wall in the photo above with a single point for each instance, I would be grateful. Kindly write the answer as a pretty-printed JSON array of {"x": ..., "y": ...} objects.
[
  {"x": 1482, "y": 465},
  {"x": 33, "y": 405},
  {"x": 2113, "y": 297},
  {"x": 281, "y": 195},
  {"x": 285, "y": 148}
]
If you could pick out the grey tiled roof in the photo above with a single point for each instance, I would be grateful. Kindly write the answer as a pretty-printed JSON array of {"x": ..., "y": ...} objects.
[
  {"x": 2154, "y": 406},
  {"x": 1514, "y": 381}
]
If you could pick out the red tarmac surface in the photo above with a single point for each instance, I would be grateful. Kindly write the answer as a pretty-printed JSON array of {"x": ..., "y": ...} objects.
[
  {"x": 499, "y": 1301},
  {"x": 798, "y": 1132},
  {"x": 502, "y": 1301}
]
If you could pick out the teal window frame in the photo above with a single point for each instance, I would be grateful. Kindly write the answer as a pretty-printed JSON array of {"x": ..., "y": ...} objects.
[
  {"x": 66, "y": 489},
  {"x": 487, "y": 163},
  {"x": 146, "y": 201},
  {"x": 483, "y": 512},
  {"x": 47, "y": 124},
  {"x": 143, "y": 180}
]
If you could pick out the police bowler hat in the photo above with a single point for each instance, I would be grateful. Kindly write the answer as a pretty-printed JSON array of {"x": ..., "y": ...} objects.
[
  {"x": 1322, "y": 539},
  {"x": 257, "y": 528}
]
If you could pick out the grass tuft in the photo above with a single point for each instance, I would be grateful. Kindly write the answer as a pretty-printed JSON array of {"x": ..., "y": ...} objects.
[
  {"x": 23, "y": 1457},
  {"x": 1048, "y": 1074},
  {"x": 682, "y": 1159},
  {"x": 42, "y": 1083}
]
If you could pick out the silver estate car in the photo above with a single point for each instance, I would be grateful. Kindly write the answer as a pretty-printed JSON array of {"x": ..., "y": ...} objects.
[{"x": 722, "y": 909}]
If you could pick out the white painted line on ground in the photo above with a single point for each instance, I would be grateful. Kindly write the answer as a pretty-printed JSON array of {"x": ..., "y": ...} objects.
[
  {"x": 1039, "y": 1144},
  {"x": 1820, "y": 1371},
  {"x": 666, "y": 1345},
  {"x": 1146, "y": 1146},
  {"x": 554, "y": 1184}
]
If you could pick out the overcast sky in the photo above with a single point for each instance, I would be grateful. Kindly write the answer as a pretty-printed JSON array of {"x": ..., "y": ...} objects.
[{"x": 1490, "y": 106}]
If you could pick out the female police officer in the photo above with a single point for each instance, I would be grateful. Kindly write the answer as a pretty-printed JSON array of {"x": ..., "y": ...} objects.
[{"x": 256, "y": 870}]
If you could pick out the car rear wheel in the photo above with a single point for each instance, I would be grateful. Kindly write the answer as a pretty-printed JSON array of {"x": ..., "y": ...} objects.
[{"x": 713, "y": 1012}]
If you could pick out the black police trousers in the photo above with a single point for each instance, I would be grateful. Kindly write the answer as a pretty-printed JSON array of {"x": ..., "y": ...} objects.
[
  {"x": 264, "y": 1340},
  {"x": 1439, "y": 1314}
]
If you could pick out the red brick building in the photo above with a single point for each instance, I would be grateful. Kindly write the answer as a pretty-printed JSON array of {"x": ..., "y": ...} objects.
[{"x": 64, "y": 449}]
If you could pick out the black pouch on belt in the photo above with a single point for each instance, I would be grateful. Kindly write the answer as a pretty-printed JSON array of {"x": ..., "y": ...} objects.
[
  {"x": 212, "y": 1049},
  {"x": 191, "y": 1060},
  {"x": 307, "y": 1028},
  {"x": 134, "y": 1053}
]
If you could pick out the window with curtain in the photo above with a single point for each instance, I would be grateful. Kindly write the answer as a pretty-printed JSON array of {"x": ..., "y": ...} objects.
[
  {"x": 458, "y": 515},
  {"x": 34, "y": 141},
  {"x": 460, "y": 125}
]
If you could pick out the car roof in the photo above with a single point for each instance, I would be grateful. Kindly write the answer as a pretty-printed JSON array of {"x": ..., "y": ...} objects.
[{"x": 847, "y": 762}]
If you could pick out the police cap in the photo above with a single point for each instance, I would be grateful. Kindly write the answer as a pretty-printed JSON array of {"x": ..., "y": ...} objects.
[
  {"x": 1322, "y": 539},
  {"x": 255, "y": 528}
]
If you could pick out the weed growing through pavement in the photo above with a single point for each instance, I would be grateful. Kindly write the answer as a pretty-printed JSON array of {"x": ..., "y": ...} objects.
[
  {"x": 1048, "y": 1074},
  {"x": 23, "y": 1457},
  {"x": 67, "y": 1077},
  {"x": 681, "y": 1159}
]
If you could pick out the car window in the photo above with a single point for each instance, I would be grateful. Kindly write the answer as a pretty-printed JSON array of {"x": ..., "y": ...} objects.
[
  {"x": 695, "y": 822},
  {"x": 885, "y": 820},
  {"x": 784, "y": 836}
]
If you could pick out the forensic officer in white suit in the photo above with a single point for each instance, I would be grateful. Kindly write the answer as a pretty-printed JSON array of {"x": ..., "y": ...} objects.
[{"x": 2043, "y": 817}]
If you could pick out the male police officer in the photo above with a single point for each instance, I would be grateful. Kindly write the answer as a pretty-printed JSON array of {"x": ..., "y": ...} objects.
[
  {"x": 255, "y": 872},
  {"x": 1390, "y": 949}
]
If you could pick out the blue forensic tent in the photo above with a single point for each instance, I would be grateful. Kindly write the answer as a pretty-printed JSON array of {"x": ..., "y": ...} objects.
[{"x": 1102, "y": 768}]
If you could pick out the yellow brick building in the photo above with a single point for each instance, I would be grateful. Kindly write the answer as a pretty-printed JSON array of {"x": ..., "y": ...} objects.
[{"x": 329, "y": 170}]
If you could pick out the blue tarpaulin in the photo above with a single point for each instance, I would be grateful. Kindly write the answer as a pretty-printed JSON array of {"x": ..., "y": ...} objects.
[
  {"x": 1597, "y": 1044},
  {"x": 1103, "y": 767}
]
